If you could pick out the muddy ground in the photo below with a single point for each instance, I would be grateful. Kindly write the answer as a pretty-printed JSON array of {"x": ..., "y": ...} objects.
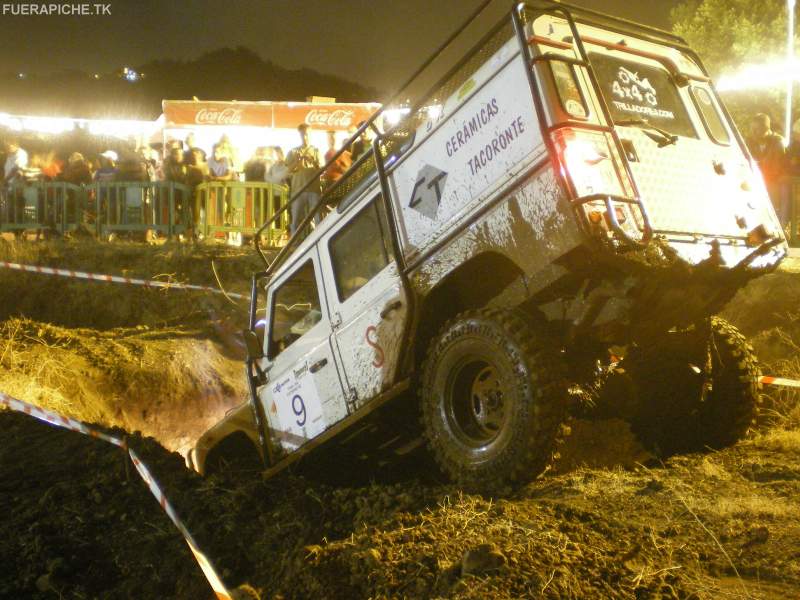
[{"x": 608, "y": 521}]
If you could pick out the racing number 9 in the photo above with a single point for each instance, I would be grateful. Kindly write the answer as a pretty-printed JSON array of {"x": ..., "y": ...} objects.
[{"x": 299, "y": 410}]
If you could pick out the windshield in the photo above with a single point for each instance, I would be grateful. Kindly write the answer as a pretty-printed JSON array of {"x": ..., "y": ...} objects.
[{"x": 636, "y": 91}]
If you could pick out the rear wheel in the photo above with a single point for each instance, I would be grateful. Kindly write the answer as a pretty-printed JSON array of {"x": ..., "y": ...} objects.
[
  {"x": 492, "y": 401},
  {"x": 697, "y": 389}
]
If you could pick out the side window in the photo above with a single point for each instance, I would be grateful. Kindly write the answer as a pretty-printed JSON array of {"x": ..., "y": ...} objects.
[
  {"x": 711, "y": 117},
  {"x": 296, "y": 309},
  {"x": 569, "y": 92},
  {"x": 359, "y": 251}
]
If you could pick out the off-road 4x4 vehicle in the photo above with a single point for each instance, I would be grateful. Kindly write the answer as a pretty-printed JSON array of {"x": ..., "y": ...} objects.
[{"x": 574, "y": 188}]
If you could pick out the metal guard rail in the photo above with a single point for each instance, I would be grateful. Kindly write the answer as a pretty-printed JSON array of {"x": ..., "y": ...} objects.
[{"x": 211, "y": 211}]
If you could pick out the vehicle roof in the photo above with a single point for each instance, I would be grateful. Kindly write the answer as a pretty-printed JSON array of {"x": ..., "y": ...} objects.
[{"x": 593, "y": 17}]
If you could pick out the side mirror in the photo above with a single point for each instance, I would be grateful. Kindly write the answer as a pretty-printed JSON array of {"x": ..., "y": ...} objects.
[{"x": 255, "y": 349}]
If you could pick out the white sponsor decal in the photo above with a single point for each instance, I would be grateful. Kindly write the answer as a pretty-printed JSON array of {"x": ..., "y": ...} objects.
[
  {"x": 637, "y": 95},
  {"x": 296, "y": 405},
  {"x": 476, "y": 147}
]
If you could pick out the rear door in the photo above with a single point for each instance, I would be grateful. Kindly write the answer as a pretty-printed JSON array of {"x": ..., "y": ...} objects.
[
  {"x": 367, "y": 300},
  {"x": 700, "y": 185},
  {"x": 304, "y": 395}
]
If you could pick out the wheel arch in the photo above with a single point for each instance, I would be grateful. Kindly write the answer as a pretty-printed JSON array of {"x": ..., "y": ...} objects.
[
  {"x": 236, "y": 435},
  {"x": 236, "y": 449},
  {"x": 464, "y": 288}
]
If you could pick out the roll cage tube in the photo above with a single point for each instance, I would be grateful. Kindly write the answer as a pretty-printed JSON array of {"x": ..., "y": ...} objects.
[
  {"x": 368, "y": 124},
  {"x": 254, "y": 379}
]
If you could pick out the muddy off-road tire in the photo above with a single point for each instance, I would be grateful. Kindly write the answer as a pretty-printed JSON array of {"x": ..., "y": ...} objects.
[
  {"x": 492, "y": 400},
  {"x": 675, "y": 414},
  {"x": 234, "y": 454}
]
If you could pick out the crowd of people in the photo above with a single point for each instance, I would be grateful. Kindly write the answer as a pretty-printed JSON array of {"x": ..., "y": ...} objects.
[{"x": 184, "y": 162}]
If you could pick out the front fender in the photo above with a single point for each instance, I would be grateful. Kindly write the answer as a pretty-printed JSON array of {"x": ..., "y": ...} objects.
[{"x": 236, "y": 420}]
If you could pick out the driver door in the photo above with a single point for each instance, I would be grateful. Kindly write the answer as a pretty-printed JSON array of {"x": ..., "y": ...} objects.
[{"x": 304, "y": 395}]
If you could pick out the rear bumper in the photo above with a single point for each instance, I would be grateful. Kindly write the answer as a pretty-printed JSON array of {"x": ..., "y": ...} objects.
[{"x": 684, "y": 287}]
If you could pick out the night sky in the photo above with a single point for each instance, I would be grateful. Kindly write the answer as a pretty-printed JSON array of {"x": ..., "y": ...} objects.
[{"x": 374, "y": 42}]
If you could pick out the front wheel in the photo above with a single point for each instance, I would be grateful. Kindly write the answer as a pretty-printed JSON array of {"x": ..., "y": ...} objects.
[{"x": 492, "y": 400}]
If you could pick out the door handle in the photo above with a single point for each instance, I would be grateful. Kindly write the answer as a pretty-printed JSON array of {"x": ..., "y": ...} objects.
[
  {"x": 393, "y": 306},
  {"x": 318, "y": 365}
]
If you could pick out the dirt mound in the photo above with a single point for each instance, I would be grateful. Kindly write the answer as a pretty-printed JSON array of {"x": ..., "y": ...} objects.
[
  {"x": 605, "y": 522},
  {"x": 75, "y": 527},
  {"x": 164, "y": 362},
  {"x": 170, "y": 383},
  {"x": 699, "y": 526},
  {"x": 79, "y": 303}
]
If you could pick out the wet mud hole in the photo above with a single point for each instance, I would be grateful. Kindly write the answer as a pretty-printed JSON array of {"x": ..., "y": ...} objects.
[{"x": 608, "y": 521}]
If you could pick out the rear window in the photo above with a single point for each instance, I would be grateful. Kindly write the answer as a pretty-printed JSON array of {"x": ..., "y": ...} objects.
[
  {"x": 711, "y": 117},
  {"x": 636, "y": 91}
]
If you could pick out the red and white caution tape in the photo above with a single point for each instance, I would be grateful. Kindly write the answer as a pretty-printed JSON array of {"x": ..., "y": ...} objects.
[
  {"x": 202, "y": 560},
  {"x": 148, "y": 283},
  {"x": 61, "y": 421},
  {"x": 779, "y": 381},
  {"x": 58, "y": 420}
]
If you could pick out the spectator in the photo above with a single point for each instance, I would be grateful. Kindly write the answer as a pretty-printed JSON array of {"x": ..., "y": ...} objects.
[
  {"x": 219, "y": 169},
  {"x": 105, "y": 174},
  {"x": 303, "y": 164},
  {"x": 147, "y": 157},
  {"x": 191, "y": 146},
  {"x": 767, "y": 149},
  {"x": 197, "y": 169},
  {"x": 230, "y": 152},
  {"x": 173, "y": 144},
  {"x": 33, "y": 172},
  {"x": 278, "y": 172},
  {"x": 196, "y": 173},
  {"x": 338, "y": 167},
  {"x": 16, "y": 162},
  {"x": 219, "y": 165},
  {"x": 108, "y": 168},
  {"x": 257, "y": 167},
  {"x": 793, "y": 151},
  {"x": 51, "y": 166},
  {"x": 173, "y": 168},
  {"x": 77, "y": 171},
  {"x": 135, "y": 199},
  {"x": 134, "y": 167}
]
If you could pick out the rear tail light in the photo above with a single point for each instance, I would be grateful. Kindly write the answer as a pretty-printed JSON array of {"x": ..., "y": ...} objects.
[
  {"x": 587, "y": 162},
  {"x": 591, "y": 164}
]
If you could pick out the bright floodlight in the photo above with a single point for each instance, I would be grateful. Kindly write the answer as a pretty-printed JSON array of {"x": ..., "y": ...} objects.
[
  {"x": 789, "y": 80},
  {"x": 764, "y": 76}
]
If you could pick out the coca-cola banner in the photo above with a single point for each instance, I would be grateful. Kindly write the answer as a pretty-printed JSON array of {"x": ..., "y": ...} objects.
[
  {"x": 189, "y": 113},
  {"x": 336, "y": 117},
  {"x": 328, "y": 116}
]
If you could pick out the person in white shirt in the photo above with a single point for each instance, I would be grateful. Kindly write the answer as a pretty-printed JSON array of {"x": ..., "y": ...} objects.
[{"x": 16, "y": 161}]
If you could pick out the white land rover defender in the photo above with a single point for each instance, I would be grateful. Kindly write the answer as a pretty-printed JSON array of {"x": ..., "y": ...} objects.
[{"x": 573, "y": 185}]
